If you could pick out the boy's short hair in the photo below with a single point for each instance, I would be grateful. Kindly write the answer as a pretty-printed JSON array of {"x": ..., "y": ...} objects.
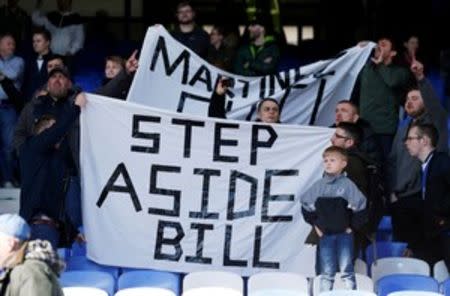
[
  {"x": 42, "y": 122},
  {"x": 336, "y": 150}
]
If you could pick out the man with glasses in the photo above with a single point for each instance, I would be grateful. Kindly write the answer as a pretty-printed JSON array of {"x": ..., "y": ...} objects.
[
  {"x": 434, "y": 204},
  {"x": 404, "y": 186}
]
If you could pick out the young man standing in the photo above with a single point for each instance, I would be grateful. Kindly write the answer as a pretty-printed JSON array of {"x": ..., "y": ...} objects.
[{"x": 434, "y": 227}]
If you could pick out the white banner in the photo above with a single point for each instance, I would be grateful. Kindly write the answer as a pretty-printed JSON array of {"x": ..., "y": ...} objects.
[
  {"x": 176, "y": 192},
  {"x": 172, "y": 77}
]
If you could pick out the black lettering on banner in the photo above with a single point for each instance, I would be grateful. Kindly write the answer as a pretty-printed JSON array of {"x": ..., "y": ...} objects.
[
  {"x": 262, "y": 87},
  {"x": 120, "y": 170},
  {"x": 320, "y": 74},
  {"x": 184, "y": 96},
  {"x": 256, "y": 143},
  {"x": 184, "y": 58},
  {"x": 245, "y": 88},
  {"x": 204, "y": 214},
  {"x": 218, "y": 142},
  {"x": 231, "y": 214},
  {"x": 136, "y": 133},
  {"x": 267, "y": 197},
  {"x": 161, "y": 240},
  {"x": 198, "y": 258},
  {"x": 319, "y": 98},
  {"x": 175, "y": 211},
  {"x": 188, "y": 133},
  {"x": 227, "y": 261},
  {"x": 287, "y": 92},
  {"x": 298, "y": 76},
  {"x": 257, "y": 252},
  {"x": 271, "y": 85},
  {"x": 198, "y": 77}
]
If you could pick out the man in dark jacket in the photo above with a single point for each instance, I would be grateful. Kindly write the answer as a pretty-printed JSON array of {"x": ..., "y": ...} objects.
[
  {"x": 36, "y": 68},
  {"x": 188, "y": 33},
  {"x": 261, "y": 55},
  {"x": 422, "y": 106},
  {"x": 347, "y": 111},
  {"x": 46, "y": 165},
  {"x": 434, "y": 230}
]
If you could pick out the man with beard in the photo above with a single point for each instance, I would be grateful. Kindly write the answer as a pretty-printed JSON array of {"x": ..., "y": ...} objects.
[
  {"x": 404, "y": 183},
  {"x": 261, "y": 55},
  {"x": 46, "y": 163},
  {"x": 188, "y": 33}
]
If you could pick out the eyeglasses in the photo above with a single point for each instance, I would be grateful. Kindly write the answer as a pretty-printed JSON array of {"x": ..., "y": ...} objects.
[{"x": 411, "y": 138}]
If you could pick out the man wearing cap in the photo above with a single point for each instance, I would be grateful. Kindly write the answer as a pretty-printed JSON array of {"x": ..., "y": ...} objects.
[
  {"x": 29, "y": 267},
  {"x": 46, "y": 164},
  {"x": 261, "y": 55}
]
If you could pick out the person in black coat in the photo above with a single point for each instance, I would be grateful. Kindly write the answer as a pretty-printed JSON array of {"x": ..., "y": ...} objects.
[
  {"x": 45, "y": 163},
  {"x": 435, "y": 204}
]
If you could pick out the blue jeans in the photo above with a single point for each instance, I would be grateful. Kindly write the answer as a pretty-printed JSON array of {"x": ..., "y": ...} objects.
[
  {"x": 8, "y": 118},
  {"x": 336, "y": 250},
  {"x": 45, "y": 232}
]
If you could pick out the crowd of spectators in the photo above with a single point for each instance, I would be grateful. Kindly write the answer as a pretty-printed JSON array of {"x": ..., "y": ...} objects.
[{"x": 388, "y": 157}]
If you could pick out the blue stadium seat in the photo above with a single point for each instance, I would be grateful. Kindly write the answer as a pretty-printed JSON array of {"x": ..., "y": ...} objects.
[
  {"x": 83, "y": 263},
  {"x": 445, "y": 287},
  {"x": 384, "y": 231},
  {"x": 383, "y": 250},
  {"x": 403, "y": 282},
  {"x": 94, "y": 279},
  {"x": 78, "y": 249},
  {"x": 150, "y": 278}
]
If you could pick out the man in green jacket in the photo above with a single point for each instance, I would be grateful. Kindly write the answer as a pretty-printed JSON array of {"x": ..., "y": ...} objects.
[
  {"x": 29, "y": 267},
  {"x": 261, "y": 55},
  {"x": 382, "y": 87}
]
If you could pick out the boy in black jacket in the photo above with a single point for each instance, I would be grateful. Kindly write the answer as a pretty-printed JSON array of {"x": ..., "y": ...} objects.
[{"x": 333, "y": 205}]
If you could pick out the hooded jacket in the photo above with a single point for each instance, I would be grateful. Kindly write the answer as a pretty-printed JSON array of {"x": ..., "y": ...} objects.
[{"x": 32, "y": 271}]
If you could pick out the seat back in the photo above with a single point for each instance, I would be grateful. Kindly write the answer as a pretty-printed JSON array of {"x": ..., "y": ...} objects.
[
  {"x": 83, "y": 263},
  {"x": 145, "y": 291},
  {"x": 83, "y": 291},
  {"x": 150, "y": 279},
  {"x": 347, "y": 293},
  {"x": 88, "y": 279},
  {"x": 278, "y": 283},
  {"x": 405, "y": 282},
  {"x": 212, "y": 283},
  {"x": 398, "y": 265},
  {"x": 414, "y": 293},
  {"x": 383, "y": 250},
  {"x": 445, "y": 287}
]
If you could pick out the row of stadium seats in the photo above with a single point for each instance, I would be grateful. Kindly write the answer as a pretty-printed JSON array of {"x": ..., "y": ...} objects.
[{"x": 150, "y": 282}]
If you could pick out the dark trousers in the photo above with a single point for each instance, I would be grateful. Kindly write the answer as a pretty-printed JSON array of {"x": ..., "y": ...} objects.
[{"x": 407, "y": 220}]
